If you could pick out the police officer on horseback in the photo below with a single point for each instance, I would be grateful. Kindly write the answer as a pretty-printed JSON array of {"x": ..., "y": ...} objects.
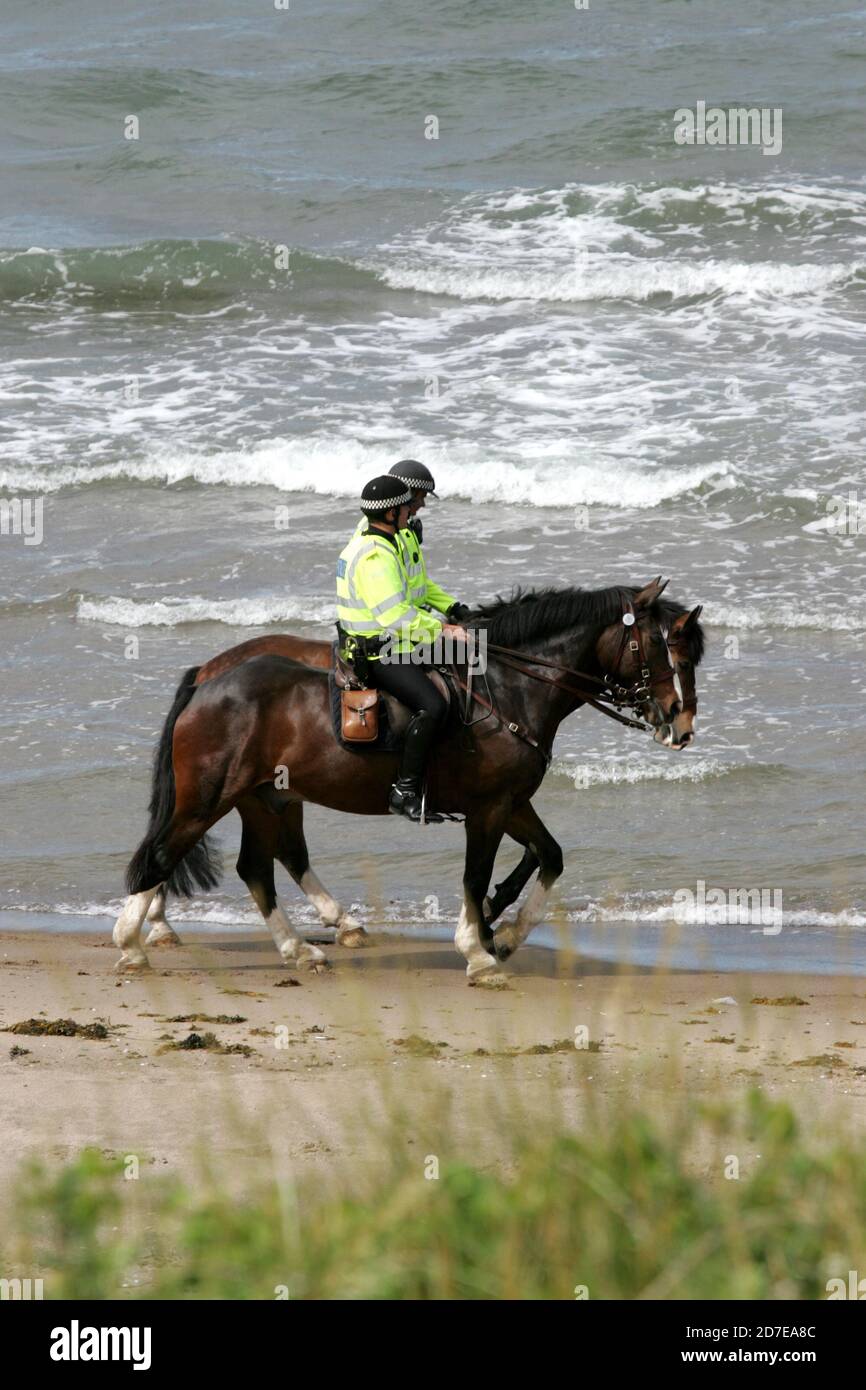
[
  {"x": 421, "y": 484},
  {"x": 387, "y": 608}
]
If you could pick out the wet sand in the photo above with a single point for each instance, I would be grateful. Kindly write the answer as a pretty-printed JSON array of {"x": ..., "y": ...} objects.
[{"x": 391, "y": 1025}]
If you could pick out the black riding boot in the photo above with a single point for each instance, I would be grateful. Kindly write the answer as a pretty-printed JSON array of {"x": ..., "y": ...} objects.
[{"x": 405, "y": 795}]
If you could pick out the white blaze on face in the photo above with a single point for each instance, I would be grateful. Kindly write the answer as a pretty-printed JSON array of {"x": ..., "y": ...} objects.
[{"x": 677, "y": 684}]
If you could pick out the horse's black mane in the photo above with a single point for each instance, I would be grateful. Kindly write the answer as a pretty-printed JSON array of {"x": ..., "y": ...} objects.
[{"x": 529, "y": 613}]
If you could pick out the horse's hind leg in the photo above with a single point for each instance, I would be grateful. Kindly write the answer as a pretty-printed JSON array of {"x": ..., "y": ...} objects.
[
  {"x": 183, "y": 835},
  {"x": 256, "y": 868},
  {"x": 293, "y": 854},
  {"x": 528, "y": 829},
  {"x": 161, "y": 933},
  {"x": 127, "y": 930}
]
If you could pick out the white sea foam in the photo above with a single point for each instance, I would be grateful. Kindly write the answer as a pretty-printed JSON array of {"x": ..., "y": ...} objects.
[
  {"x": 627, "y": 278},
  {"x": 793, "y": 200},
  {"x": 211, "y": 914},
  {"x": 177, "y": 610},
  {"x": 586, "y": 775},
  {"x": 338, "y": 467},
  {"x": 650, "y": 913},
  {"x": 615, "y": 242},
  {"x": 785, "y": 615},
  {"x": 174, "y": 612}
]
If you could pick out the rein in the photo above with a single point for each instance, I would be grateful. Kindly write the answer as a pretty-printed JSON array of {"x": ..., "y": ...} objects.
[
  {"x": 507, "y": 656},
  {"x": 611, "y": 692}
]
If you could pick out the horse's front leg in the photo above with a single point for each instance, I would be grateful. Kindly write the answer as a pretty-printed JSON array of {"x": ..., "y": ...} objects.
[
  {"x": 509, "y": 890},
  {"x": 527, "y": 828},
  {"x": 474, "y": 937}
]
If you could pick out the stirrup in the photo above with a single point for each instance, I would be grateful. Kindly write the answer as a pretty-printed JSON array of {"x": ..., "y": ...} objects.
[
  {"x": 411, "y": 804},
  {"x": 436, "y": 817}
]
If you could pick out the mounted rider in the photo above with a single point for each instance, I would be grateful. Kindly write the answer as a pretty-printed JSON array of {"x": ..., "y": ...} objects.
[
  {"x": 427, "y": 594},
  {"x": 384, "y": 614}
]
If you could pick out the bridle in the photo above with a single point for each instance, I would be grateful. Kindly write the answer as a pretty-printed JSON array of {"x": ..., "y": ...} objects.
[
  {"x": 639, "y": 693},
  {"x": 608, "y": 698}
]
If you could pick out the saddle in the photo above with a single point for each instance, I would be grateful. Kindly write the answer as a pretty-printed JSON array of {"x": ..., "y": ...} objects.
[{"x": 371, "y": 717}]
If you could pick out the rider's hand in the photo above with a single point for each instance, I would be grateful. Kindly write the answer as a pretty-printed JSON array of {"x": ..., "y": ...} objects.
[{"x": 455, "y": 631}]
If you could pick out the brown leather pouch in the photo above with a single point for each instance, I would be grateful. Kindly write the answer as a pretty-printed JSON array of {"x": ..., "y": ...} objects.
[{"x": 360, "y": 711}]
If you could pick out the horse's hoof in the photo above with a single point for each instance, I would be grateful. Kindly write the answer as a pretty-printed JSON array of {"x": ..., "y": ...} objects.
[
  {"x": 163, "y": 935},
  {"x": 352, "y": 936},
  {"x": 131, "y": 965},
  {"x": 504, "y": 943},
  {"x": 309, "y": 958},
  {"x": 491, "y": 979},
  {"x": 316, "y": 967}
]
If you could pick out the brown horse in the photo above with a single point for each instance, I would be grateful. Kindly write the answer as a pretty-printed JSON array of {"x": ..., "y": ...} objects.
[
  {"x": 685, "y": 644},
  {"x": 255, "y": 718}
]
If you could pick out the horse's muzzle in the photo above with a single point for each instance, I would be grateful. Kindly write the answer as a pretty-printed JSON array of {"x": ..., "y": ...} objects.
[{"x": 669, "y": 737}]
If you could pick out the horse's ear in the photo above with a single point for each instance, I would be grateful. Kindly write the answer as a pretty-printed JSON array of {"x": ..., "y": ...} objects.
[
  {"x": 685, "y": 622},
  {"x": 650, "y": 593},
  {"x": 692, "y": 619}
]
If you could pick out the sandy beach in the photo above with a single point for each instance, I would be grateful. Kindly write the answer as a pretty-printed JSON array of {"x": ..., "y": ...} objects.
[{"x": 393, "y": 1024}]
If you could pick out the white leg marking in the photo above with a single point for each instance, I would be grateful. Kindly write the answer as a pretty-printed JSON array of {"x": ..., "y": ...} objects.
[
  {"x": 161, "y": 933},
  {"x": 509, "y": 937},
  {"x": 293, "y": 949},
  {"x": 480, "y": 964},
  {"x": 127, "y": 931},
  {"x": 349, "y": 929}
]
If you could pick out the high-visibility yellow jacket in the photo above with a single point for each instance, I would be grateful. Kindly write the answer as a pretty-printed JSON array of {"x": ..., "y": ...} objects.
[
  {"x": 422, "y": 590},
  {"x": 374, "y": 595}
]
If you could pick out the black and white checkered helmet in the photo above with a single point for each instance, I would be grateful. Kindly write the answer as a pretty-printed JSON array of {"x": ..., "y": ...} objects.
[
  {"x": 415, "y": 475},
  {"x": 383, "y": 493}
]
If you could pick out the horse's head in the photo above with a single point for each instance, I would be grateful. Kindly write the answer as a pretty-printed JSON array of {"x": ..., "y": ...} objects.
[
  {"x": 685, "y": 640},
  {"x": 652, "y": 653}
]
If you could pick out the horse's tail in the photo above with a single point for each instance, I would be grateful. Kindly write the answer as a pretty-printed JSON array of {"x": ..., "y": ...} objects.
[{"x": 200, "y": 868}]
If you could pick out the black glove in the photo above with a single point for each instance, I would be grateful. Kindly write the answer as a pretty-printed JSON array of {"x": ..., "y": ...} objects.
[{"x": 458, "y": 613}]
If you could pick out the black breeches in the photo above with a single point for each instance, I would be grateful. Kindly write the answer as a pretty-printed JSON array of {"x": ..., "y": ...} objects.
[{"x": 410, "y": 685}]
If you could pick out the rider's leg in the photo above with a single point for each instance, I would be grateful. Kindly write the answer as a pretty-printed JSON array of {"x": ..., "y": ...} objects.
[{"x": 413, "y": 687}]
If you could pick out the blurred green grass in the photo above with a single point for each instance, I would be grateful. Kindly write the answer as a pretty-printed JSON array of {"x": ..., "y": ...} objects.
[{"x": 637, "y": 1206}]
